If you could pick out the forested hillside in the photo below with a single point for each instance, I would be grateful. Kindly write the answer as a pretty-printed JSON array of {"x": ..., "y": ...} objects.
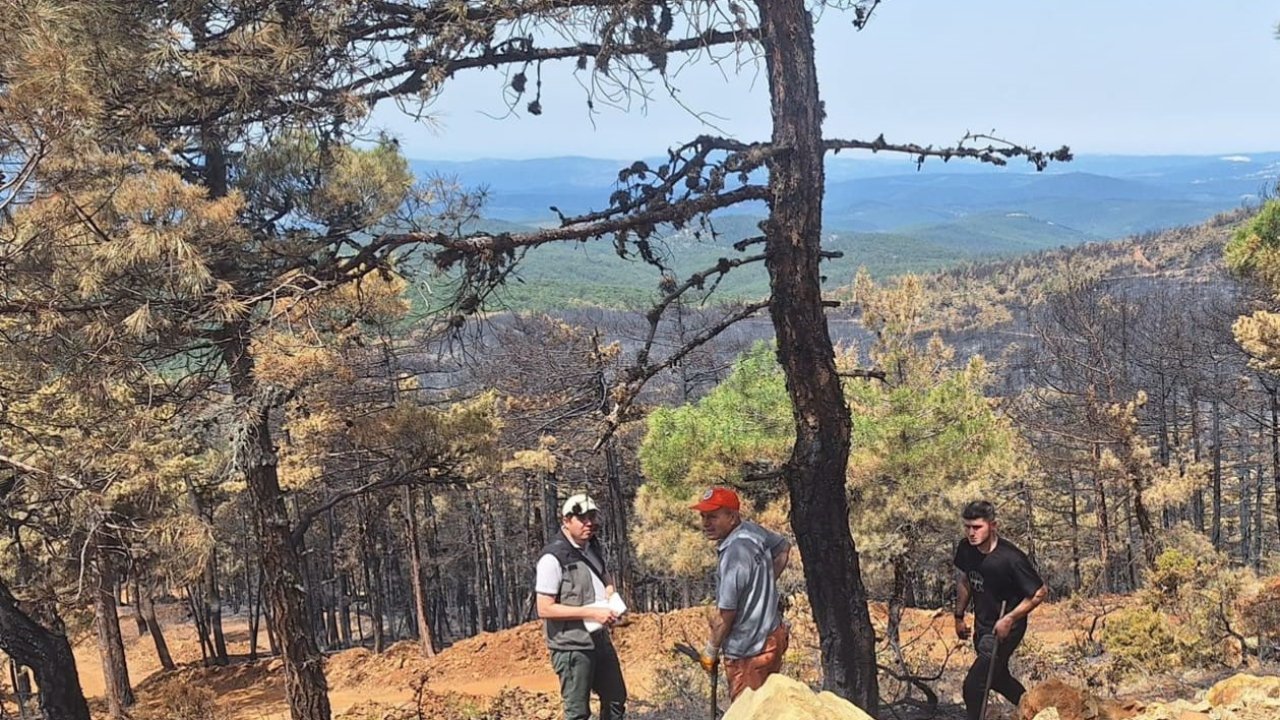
[{"x": 269, "y": 392}]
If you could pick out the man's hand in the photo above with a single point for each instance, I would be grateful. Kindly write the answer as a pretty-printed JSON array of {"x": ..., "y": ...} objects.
[
  {"x": 709, "y": 659},
  {"x": 604, "y": 616},
  {"x": 962, "y": 628},
  {"x": 1004, "y": 626}
]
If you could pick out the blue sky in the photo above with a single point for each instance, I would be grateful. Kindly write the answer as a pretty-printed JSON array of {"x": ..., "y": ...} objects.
[{"x": 1118, "y": 77}]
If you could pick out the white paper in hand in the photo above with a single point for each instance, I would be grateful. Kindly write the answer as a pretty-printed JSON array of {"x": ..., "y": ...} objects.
[{"x": 614, "y": 603}]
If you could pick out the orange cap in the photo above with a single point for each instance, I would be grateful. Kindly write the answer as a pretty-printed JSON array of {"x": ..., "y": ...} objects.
[{"x": 716, "y": 498}]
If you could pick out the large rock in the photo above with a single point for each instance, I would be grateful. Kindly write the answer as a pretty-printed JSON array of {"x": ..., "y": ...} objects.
[
  {"x": 781, "y": 698},
  {"x": 1244, "y": 690},
  {"x": 1072, "y": 703}
]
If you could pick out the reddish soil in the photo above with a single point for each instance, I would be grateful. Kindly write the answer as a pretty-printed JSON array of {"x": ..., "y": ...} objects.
[{"x": 510, "y": 667}]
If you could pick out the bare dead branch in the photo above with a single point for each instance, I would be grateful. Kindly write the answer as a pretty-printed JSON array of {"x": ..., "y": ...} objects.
[
  {"x": 996, "y": 152},
  {"x": 625, "y": 392}
]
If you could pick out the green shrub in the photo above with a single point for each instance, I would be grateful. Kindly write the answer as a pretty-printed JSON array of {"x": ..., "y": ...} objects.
[
  {"x": 1141, "y": 639},
  {"x": 1174, "y": 570}
]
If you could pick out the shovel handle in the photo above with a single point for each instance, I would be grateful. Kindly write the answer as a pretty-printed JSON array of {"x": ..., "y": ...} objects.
[
  {"x": 991, "y": 666},
  {"x": 715, "y": 677}
]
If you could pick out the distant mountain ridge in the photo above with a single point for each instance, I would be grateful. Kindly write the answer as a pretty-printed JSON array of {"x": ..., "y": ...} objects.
[
  {"x": 1106, "y": 196},
  {"x": 876, "y": 215}
]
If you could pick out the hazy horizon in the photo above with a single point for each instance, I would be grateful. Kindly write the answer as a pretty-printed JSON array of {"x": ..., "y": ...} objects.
[{"x": 1104, "y": 78}]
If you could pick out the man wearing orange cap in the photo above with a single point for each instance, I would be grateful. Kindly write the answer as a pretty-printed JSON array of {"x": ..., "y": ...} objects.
[{"x": 748, "y": 630}]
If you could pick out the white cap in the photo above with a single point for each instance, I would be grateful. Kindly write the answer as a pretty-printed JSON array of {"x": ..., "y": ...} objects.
[{"x": 579, "y": 504}]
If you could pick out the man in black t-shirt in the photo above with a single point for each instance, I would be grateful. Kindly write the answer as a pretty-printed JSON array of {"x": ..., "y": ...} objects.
[{"x": 992, "y": 571}]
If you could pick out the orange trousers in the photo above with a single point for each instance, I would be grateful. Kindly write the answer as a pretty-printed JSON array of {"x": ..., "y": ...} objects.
[{"x": 751, "y": 672}]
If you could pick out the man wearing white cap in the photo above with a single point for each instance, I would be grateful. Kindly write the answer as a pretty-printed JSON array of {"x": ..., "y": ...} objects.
[{"x": 574, "y": 591}]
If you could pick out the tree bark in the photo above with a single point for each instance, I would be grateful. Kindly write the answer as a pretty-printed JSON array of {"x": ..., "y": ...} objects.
[
  {"x": 618, "y": 511},
  {"x": 1146, "y": 529},
  {"x": 1075, "y": 532},
  {"x": 1217, "y": 476},
  {"x": 213, "y": 609},
  {"x": 336, "y": 590},
  {"x": 1274, "y": 393},
  {"x": 1029, "y": 517},
  {"x": 344, "y": 609},
  {"x": 115, "y": 668},
  {"x": 425, "y": 639},
  {"x": 1104, "y": 522},
  {"x": 816, "y": 469},
  {"x": 202, "y": 630},
  {"x": 550, "y": 505},
  {"x": 48, "y": 654},
  {"x": 896, "y": 603},
  {"x": 305, "y": 686},
  {"x": 139, "y": 620},
  {"x": 372, "y": 562},
  {"x": 146, "y": 606},
  {"x": 1197, "y": 499},
  {"x": 1245, "y": 508},
  {"x": 1257, "y": 525}
]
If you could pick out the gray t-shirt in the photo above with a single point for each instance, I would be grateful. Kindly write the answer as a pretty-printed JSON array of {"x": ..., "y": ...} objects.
[{"x": 745, "y": 583}]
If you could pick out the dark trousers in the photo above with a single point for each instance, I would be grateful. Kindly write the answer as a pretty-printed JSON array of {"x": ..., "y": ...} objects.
[
  {"x": 1001, "y": 681},
  {"x": 584, "y": 671}
]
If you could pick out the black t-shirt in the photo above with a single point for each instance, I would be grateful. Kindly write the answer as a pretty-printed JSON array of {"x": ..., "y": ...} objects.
[{"x": 1005, "y": 574}]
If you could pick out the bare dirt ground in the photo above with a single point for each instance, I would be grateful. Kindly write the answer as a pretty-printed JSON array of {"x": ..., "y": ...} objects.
[{"x": 507, "y": 674}]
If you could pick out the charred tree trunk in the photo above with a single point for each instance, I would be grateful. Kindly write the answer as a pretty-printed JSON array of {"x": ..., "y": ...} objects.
[
  {"x": 1274, "y": 394},
  {"x": 1257, "y": 524},
  {"x": 213, "y": 609},
  {"x": 255, "y": 612},
  {"x": 897, "y": 600},
  {"x": 1146, "y": 530},
  {"x": 197, "y": 617},
  {"x": 1217, "y": 476},
  {"x": 618, "y": 509},
  {"x": 210, "y": 602},
  {"x": 115, "y": 668},
  {"x": 1104, "y": 524},
  {"x": 1197, "y": 499},
  {"x": 371, "y": 565},
  {"x": 146, "y": 606},
  {"x": 373, "y": 590},
  {"x": 425, "y": 638},
  {"x": 816, "y": 470},
  {"x": 1245, "y": 508},
  {"x": 1029, "y": 517},
  {"x": 336, "y": 590},
  {"x": 1075, "y": 532},
  {"x": 344, "y": 609},
  {"x": 48, "y": 654},
  {"x": 550, "y": 505},
  {"x": 138, "y": 618},
  {"x": 305, "y": 686}
]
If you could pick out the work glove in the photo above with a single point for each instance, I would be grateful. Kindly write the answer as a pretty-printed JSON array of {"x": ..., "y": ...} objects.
[{"x": 709, "y": 659}]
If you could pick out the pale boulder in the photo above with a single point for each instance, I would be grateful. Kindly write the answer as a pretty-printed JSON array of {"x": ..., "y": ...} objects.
[
  {"x": 1072, "y": 703},
  {"x": 1245, "y": 690},
  {"x": 781, "y": 698}
]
